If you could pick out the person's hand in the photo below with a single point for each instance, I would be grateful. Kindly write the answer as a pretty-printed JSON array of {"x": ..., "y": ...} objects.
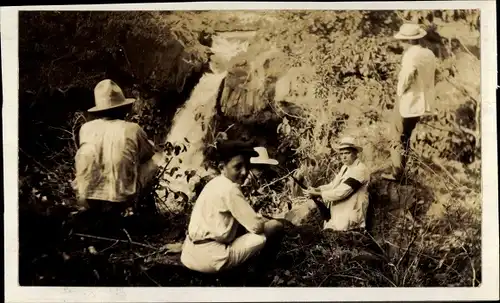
[{"x": 312, "y": 192}]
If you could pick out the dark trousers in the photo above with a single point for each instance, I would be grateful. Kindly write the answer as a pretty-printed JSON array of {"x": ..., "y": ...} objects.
[
  {"x": 401, "y": 129},
  {"x": 102, "y": 217}
]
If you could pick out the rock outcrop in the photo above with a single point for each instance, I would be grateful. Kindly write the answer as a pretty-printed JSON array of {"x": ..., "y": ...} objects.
[{"x": 391, "y": 200}]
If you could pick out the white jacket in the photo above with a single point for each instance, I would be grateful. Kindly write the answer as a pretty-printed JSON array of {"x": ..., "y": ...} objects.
[
  {"x": 347, "y": 197},
  {"x": 416, "y": 92}
]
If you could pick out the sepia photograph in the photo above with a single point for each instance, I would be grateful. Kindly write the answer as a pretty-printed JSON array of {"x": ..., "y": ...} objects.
[{"x": 276, "y": 148}]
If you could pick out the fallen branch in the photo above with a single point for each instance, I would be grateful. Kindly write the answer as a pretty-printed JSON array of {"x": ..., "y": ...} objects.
[
  {"x": 279, "y": 179},
  {"x": 114, "y": 240}
]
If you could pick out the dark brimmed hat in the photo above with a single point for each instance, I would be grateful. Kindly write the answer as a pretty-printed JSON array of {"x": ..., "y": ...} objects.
[{"x": 228, "y": 149}]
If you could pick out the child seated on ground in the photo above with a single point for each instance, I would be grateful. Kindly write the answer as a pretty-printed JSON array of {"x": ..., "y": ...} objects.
[{"x": 211, "y": 243}]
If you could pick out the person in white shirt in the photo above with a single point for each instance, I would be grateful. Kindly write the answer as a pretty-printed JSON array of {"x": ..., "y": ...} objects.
[
  {"x": 347, "y": 195},
  {"x": 415, "y": 94},
  {"x": 260, "y": 169},
  {"x": 115, "y": 159},
  {"x": 211, "y": 243}
]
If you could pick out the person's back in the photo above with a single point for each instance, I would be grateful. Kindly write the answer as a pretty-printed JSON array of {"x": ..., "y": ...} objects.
[
  {"x": 212, "y": 204},
  {"x": 108, "y": 159},
  {"x": 417, "y": 95}
]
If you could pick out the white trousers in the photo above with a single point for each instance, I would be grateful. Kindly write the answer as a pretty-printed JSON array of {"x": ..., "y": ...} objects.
[{"x": 212, "y": 257}]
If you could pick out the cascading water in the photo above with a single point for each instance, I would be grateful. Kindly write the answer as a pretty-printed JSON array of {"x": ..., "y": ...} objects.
[{"x": 191, "y": 120}]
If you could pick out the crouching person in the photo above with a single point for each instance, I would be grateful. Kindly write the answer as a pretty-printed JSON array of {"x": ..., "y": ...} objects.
[
  {"x": 211, "y": 243},
  {"x": 115, "y": 159},
  {"x": 347, "y": 195}
]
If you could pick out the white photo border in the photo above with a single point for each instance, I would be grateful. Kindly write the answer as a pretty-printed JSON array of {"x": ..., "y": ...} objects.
[{"x": 490, "y": 251}]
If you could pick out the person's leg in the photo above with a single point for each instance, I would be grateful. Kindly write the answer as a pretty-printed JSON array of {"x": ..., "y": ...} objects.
[
  {"x": 274, "y": 231},
  {"x": 273, "y": 228},
  {"x": 243, "y": 248},
  {"x": 401, "y": 130},
  {"x": 396, "y": 129},
  {"x": 114, "y": 219},
  {"x": 409, "y": 125}
]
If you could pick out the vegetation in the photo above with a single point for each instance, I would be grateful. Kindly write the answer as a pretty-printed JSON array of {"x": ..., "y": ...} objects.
[{"x": 307, "y": 78}]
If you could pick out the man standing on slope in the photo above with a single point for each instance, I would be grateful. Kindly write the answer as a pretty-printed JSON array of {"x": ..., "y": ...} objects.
[{"x": 415, "y": 94}]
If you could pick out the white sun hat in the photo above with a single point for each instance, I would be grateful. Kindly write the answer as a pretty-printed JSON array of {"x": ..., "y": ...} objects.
[
  {"x": 263, "y": 157},
  {"x": 410, "y": 31},
  {"x": 107, "y": 95},
  {"x": 348, "y": 142}
]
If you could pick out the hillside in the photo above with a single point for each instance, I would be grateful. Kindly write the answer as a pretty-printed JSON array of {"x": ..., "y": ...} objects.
[{"x": 302, "y": 81}]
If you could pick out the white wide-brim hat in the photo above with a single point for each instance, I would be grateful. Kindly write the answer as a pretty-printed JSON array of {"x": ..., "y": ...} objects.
[
  {"x": 108, "y": 95},
  {"x": 348, "y": 142},
  {"x": 263, "y": 157},
  {"x": 410, "y": 31}
]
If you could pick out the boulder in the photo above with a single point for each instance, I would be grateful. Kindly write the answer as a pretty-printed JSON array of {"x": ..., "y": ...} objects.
[
  {"x": 390, "y": 201},
  {"x": 304, "y": 213}
]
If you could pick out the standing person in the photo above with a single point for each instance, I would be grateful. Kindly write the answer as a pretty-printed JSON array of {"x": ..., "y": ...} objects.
[
  {"x": 347, "y": 195},
  {"x": 211, "y": 243},
  {"x": 415, "y": 94},
  {"x": 253, "y": 186},
  {"x": 115, "y": 158}
]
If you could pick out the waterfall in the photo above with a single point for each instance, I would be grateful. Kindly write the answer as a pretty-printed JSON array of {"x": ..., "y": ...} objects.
[{"x": 191, "y": 121}]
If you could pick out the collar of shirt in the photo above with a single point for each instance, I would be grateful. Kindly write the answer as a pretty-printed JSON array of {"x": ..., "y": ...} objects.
[
  {"x": 226, "y": 178},
  {"x": 346, "y": 167}
]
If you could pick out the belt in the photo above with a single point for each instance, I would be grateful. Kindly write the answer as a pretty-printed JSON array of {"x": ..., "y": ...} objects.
[{"x": 204, "y": 241}]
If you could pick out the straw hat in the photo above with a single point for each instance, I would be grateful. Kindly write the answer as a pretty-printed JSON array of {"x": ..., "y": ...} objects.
[
  {"x": 348, "y": 142},
  {"x": 107, "y": 95},
  {"x": 263, "y": 157},
  {"x": 410, "y": 31}
]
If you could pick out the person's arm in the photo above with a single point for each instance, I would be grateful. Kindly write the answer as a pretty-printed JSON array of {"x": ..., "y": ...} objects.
[
  {"x": 406, "y": 79},
  {"x": 146, "y": 148},
  {"x": 407, "y": 75},
  {"x": 243, "y": 212},
  {"x": 356, "y": 179},
  {"x": 325, "y": 187},
  {"x": 341, "y": 191},
  {"x": 84, "y": 168}
]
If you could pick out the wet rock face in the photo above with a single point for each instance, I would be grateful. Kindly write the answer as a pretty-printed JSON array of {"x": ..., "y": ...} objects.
[{"x": 249, "y": 85}]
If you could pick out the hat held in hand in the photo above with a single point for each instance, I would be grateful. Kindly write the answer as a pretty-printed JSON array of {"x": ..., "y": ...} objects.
[
  {"x": 348, "y": 142},
  {"x": 263, "y": 157},
  {"x": 410, "y": 31},
  {"x": 107, "y": 95}
]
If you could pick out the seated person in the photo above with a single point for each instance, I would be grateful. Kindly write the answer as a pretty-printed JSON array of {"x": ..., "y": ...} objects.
[
  {"x": 211, "y": 244},
  {"x": 253, "y": 187},
  {"x": 347, "y": 195}
]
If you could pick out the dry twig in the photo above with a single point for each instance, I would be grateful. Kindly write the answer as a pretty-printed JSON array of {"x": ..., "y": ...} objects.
[{"x": 114, "y": 240}]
